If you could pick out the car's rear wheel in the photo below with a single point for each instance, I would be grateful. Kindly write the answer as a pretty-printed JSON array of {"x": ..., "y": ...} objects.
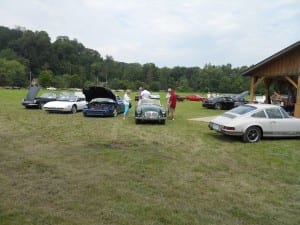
[
  {"x": 74, "y": 109},
  {"x": 252, "y": 134},
  {"x": 218, "y": 105}
]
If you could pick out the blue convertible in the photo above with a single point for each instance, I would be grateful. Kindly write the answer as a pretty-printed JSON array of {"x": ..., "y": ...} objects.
[{"x": 102, "y": 102}]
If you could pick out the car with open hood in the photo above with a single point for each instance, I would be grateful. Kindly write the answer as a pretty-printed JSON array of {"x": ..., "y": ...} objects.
[
  {"x": 225, "y": 101},
  {"x": 254, "y": 121},
  {"x": 150, "y": 110},
  {"x": 102, "y": 102},
  {"x": 66, "y": 102},
  {"x": 32, "y": 101}
]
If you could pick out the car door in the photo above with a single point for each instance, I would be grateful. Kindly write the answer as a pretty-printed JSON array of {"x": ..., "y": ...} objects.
[
  {"x": 228, "y": 102},
  {"x": 281, "y": 123}
]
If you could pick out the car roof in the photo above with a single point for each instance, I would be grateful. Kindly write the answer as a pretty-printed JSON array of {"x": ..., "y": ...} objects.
[{"x": 263, "y": 106}]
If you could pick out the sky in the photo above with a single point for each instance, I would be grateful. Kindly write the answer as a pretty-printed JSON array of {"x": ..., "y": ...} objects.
[{"x": 167, "y": 33}]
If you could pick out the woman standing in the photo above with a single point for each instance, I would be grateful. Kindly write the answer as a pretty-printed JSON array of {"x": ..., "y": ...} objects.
[{"x": 126, "y": 101}]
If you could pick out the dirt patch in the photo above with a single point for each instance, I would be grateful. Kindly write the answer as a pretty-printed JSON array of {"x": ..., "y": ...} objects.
[{"x": 203, "y": 119}]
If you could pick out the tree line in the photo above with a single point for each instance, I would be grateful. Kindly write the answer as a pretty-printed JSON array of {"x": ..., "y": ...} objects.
[{"x": 66, "y": 63}]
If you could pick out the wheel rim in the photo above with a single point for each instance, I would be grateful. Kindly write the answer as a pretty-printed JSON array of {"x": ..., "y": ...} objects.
[
  {"x": 218, "y": 106},
  {"x": 253, "y": 135},
  {"x": 73, "y": 109}
]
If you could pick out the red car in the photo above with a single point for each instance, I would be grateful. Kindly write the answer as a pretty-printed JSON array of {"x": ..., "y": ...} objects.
[{"x": 195, "y": 98}]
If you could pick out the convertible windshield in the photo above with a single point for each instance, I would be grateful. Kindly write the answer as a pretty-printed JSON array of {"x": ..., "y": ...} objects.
[
  {"x": 149, "y": 102},
  {"x": 243, "y": 109}
]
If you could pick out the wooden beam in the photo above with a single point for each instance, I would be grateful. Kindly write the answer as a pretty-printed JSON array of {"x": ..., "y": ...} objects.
[
  {"x": 291, "y": 81},
  {"x": 252, "y": 85},
  {"x": 297, "y": 104},
  {"x": 258, "y": 81}
]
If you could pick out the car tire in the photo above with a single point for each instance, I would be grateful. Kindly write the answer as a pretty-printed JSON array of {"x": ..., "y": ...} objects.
[
  {"x": 115, "y": 113},
  {"x": 252, "y": 134},
  {"x": 73, "y": 109},
  {"x": 218, "y": 106}
]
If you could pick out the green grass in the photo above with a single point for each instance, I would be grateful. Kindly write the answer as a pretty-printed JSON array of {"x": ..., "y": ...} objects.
[{"x": 66, "y": 169}]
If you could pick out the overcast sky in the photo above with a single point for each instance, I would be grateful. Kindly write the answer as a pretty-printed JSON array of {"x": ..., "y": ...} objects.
[{"x": 165, "y": 32}]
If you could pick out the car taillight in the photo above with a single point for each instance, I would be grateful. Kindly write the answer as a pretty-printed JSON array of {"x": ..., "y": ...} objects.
[{"x": 228, "y": 128}]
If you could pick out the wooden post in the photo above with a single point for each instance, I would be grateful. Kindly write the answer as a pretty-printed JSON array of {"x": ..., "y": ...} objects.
[
  {"x": 251, "y": 100},
  {"x": 297, "y": 104}
]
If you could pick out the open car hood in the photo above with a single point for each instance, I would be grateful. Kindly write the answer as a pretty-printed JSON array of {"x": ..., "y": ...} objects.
[
  {"x": 98, "y": 92},
  {"x": 32, "y": 92}
]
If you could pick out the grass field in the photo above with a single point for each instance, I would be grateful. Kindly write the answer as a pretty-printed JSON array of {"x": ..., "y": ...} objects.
[{"x": 65, "y": 169}]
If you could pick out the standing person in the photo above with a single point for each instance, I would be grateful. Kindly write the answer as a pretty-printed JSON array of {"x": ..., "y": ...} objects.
[
  {"x": 145, "y": 94},
  {"x": 127, "y": 102},
  {"x": 140, "y": 93},
  {"x": 276, "y": 98},
  {"x": 168, "y": 100},
  {"x": 172, "y": 104}
]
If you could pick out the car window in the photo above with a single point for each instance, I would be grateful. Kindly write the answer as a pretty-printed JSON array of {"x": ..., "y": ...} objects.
[
  {"x": 259, "y": 114},
  {"x": 284, "y": 113},
  {"x": 243, "y": 109},
  {"x": 274, "y": 113}
]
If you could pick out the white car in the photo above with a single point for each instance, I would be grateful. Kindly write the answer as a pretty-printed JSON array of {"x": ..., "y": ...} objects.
[
  {"x": 254, "y": 121},
  {"x": 67, "y": 102}
]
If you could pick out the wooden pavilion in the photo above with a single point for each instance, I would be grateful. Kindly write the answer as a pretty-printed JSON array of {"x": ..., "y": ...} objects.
[{"x": 280, "y": 71}]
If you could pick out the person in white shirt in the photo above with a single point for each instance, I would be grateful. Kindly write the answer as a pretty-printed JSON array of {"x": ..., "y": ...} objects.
[{"x": 145, "y": 94}]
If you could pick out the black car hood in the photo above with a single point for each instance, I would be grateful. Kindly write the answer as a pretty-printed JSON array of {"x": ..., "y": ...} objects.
[
  {"x": 32, "y": 92},
  {"x": 98, "y": 92}
]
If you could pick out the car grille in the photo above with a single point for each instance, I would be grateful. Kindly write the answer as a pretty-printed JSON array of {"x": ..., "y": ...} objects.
[{"x": 151, "y": 115}]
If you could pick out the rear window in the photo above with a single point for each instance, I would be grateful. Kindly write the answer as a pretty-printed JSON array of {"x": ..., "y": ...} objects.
[{"x": 243, "y": 109}]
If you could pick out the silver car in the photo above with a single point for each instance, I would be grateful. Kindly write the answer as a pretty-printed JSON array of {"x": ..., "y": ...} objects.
[{"x": 254, "y": 121}]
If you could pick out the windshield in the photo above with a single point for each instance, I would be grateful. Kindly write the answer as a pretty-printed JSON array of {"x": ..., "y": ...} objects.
[
  {"x": 150, "y": 102},
  {"x": 243, "y": 109},
  {"x": 48, "y": 95},
  {"x": 67, "y": 97}
]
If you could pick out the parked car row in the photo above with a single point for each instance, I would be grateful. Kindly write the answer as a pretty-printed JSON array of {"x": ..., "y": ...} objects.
[
  {"x": 251, "y": 122},
  {"x": 97, "y": 101}
]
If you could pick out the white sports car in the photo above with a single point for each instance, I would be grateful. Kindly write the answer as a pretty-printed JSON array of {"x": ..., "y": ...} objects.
[
  {"x": 254, "y": 121},
  {"x": 67, "y": 102}
]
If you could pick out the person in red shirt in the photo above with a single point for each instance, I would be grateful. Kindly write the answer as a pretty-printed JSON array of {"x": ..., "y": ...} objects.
[{"x": 172, "y": 105}]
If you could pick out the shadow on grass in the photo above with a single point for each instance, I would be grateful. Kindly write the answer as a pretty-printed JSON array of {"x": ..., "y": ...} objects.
[{"x": 228, "y": 138}]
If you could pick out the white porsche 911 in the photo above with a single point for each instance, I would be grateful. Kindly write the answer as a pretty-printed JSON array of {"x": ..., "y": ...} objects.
[{"x": 254, "y": 121}]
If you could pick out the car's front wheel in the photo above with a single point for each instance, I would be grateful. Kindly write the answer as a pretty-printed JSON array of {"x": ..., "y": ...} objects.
[
  {"x": 74, "y": 109},
  {"x": 115, "y": 113},
  {"x": 218, "y": 105},
  {"x": 252, "y": 134}
]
